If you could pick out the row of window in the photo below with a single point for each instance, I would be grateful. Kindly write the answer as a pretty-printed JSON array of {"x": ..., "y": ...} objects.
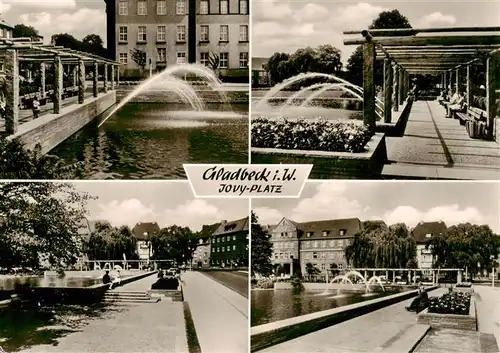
[
  {"x": 337, "y": 255},
  {"x": 325, "y": 233},
  {"x": 222, "y": 248},
  {"x": 324, "y": 267},
  {"x": 312, "y": 244},
  {"x": 227, "y": 237},
  {"x": 180, "y": 7},
  {"x": 161, "y": 33}
]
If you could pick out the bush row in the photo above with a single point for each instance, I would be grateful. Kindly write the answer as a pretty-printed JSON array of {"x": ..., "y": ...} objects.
[{"x": 317, "y": 135}]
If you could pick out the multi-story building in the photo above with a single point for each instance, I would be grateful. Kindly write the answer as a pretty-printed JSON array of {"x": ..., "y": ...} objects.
[
  {"x": 5, "y": 30},
  {"x": 179, "y": 31},
  {"x": 260, "y": 76},
  {"x": 320, "y": 243},
  {"x": 201, "y": 254},
  {"x": 142, "y": 232},
  {"x": 230, "y": 244},
  {"x": 422, "y": 233}
]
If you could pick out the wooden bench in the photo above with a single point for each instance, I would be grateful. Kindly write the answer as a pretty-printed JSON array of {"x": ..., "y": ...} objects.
[{"x": 474, "y": 120}]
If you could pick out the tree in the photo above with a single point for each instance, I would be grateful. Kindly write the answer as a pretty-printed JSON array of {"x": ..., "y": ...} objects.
[
  {"x": 385, "y": 20},
  {"x": 465, "y": 245},
  {"x": 312, "y": 270},
  {"x": 66, "y": 40},
  {"x": 262, "y": 249},
  {"x": 40, "y": 223},
  {"x": 110, "y": 243},
  {"x": 23, "y": 31},
  {"x": 139, "y": 57},
  {"x": 275, "y": 74},
  {"x": 175, "y": 243},
  {"x": 93, "y": 43},
  {"x": 214, "y": 62}
]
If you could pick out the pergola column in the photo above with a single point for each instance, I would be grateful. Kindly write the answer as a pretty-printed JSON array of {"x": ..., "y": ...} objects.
[
  {"x": 468, "y": 92},
  {"x": 11, "y": 66},
  {"x": 442, "y": 80},
  {"x": 42, "y": 79},
  {"x": 450, "y": 84},
  {"x": 395, "y": 84},
  {"x": 457, "y": 80},
  {"x": 81, "y": 82},
  {"x": 95, "y": 79},
  {"x": 491, "y": 107},
  {"x": 117, "y": 76},
  {"x": 401, "y": 86},
  {"x": 445, "y": 80},
  {"x": 58, "y": 83},
  {"x": 113, "y": 68},
  {"x": 387, "y": 90},
  {"x": 75, "y": 76},
  {"x": 105, "y": 83},
  {"x": 369, "y": 86}
]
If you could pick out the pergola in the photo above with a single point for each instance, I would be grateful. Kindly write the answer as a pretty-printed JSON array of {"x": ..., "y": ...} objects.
[
  {"x": 14, "y": 51},
  {"x": 423, "y": 51}
]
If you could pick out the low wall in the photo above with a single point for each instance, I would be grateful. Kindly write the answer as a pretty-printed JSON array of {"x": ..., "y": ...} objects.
[
  {"x": 331, "y": 165},
  {"x": 459, "y": 322},
  {"x": 310, "y": 286},
  {"x": 397, "y": 128},
  {"x": 273, "y": 333},
  {"x": 496, "y": 129},
  {"x": 175, "y": 295},
  {"x": 51, "y": 129}
]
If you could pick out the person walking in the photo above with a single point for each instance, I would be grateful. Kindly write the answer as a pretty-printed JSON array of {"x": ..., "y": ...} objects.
[{"x": 36, "y": 108}]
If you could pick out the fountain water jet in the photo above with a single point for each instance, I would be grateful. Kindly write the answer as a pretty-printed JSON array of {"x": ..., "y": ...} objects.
[
  {"x": 182, "y": 88},
  {"x": 376, "y": 279}
]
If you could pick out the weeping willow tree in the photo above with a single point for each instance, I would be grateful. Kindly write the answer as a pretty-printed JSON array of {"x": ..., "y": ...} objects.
[{"x": 380, "y": 246}]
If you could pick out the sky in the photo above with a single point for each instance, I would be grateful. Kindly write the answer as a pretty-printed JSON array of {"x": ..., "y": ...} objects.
[
  {"x": 393, "y": 202},
  {"x": 168, "y": 203},
  {"x": 297, "y": 24},
  {"x": 76, "y": 17}
]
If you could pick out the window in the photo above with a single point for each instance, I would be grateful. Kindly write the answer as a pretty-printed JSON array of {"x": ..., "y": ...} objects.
[
  {"x": 228, "y": 248},
  {"x": 244, "y": 33},
  {"x": 204, "y": 33},
  {"x": 307, "y": 245},
  {"x": 181, "y": 33},
  {"x": 224, "y": 58},
  {"x": 141, "y": 34},
  {"x": 224, "y": 33},
  {"x": 331, "y": 255},
  {"x": 180, "y": 7},
  {"x": 323, "y": 243},
  {"x": 343, "y": 232},
  {"x": 234, "y": 237},
  {"x": 339, "y": 242},
  {"x": 204, "y": 7},
  {"x": 325, "y": 233},
  {"x": 123, "y": 34},
  {"x": 161, "y": 7},
  {"x": 162, "y": 55},
  {"x": 234, "y": 247},
  {"x": 331, "y": 243},
  {"x": 428, "y": 235},
  {"x": 244, "y": 7},
  {"x": 309, "y": 234},
  {"x": 323, "y": 255},
  {"x": 315, "y": 255},
  {"x": 123, "y": 58},
  {"x": 243, "y": 60},
  {"x": 141, "y": 7},
  {"x": 307, "y": 256},
  {"x": 123, "y": 7},
  {"x": 181, "y": 58},
  {"x": 161, "y": 34},
  {"x": 315, "y": 244},
  {"x": 323, "y": 267},
  {"x": 223, "y": 7}
]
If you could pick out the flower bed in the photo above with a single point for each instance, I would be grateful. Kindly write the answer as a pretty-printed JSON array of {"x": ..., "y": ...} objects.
[
  {"x": 336, "y": 136},
  {"x": 455, "y": 303}
]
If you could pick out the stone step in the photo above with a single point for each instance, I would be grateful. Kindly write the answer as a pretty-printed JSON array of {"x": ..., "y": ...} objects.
[
  {"x": 125, "y": 297},
  {"x": 415, "y": 171},
  {"x": 406, "y": 340},
  {"x": 136, "y": 301}
]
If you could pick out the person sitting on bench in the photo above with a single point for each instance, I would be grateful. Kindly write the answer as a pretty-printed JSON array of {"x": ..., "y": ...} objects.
[
  {"x": 419, "y": 303},
  {"x": 442, "y": 96},
  {"x": 456, "y": 104}
]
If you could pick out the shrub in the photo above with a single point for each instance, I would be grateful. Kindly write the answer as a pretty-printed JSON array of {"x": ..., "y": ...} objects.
[
  {"x": 263, "y": 283},
  {"x": 322, "y": 135},
  {"x": 456, "y": 303}
]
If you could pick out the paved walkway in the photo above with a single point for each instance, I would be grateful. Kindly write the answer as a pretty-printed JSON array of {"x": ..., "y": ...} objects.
[
  {"x": 220, "y": 315},
  {"x": 375, "y": 331},
  {"x": 157, "y": 327},
  {"x": 437, "y": 147}
]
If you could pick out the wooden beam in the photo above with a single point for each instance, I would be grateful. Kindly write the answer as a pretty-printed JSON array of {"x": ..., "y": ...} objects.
[
  {"x": 388, "y": 81},
  {"x": 369, "y": 113},
  {"x": 492, "y": 68},
  {"x": 408, "y": 31},
  {"x": 11, "y": 91},
  {"x": 434, "y": 40}
]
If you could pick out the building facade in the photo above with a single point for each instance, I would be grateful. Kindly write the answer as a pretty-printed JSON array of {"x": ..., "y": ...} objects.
[
  {"x": 319, "y": 243},
  {"x": 201, "y": 255},
  {"x": 229, "y": 244},
  {"x": 260, "y": 76},
  {"x": 422, "y": 233},
  {"x": 171, "y": 32},
  {"x": 5, "y": 30},
  {"x": 142, "y": 232}
]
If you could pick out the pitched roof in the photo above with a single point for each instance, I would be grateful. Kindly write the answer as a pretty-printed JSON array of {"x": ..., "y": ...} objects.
[
  {"x": 423, "y": 228},
  {"x": 142, "y": 230},
  {"x": 4, "y": 24},
  {"x": 257, "y": 63},
  {"x": 207, "y": 231},
  {"x": 350, "y": 225},
  {"x": 239, "y": 225}
]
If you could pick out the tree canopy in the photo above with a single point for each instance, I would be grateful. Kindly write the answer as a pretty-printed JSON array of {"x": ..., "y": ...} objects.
[
  {"x": 111, "y": 243},
  {"x": 24, "y": 31},
  {"x": 39, "y": 224},
  {"x": 378, "y": 245},
  {"x": 324, "y": 59},
  {"x": 174, "y": 243},
  {"x": 262, "y": 249},
  {"x": 91, "y": 43},
  {"x": 465, "y": 245}
]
